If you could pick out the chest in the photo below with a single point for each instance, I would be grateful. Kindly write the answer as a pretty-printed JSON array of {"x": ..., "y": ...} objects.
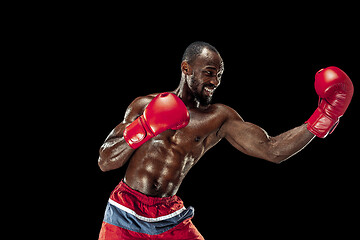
[{"x": 201, "y": 132}]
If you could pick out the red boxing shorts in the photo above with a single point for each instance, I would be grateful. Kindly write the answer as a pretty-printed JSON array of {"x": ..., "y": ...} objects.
[{"x": 132, "y": 215}]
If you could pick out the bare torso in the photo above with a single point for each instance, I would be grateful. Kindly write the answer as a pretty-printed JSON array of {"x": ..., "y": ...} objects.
[{"x": 160, "y": 165}]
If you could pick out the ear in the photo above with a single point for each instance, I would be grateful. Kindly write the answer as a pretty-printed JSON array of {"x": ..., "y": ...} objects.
[{"x": 186, "y": 68}]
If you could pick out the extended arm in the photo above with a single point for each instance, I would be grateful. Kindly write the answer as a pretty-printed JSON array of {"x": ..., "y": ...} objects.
[
  {"x": 254, "y": 141},
  {"x": 335, "y": 91}
]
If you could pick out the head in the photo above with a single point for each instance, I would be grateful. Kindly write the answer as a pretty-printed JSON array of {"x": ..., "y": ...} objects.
[{"x": 202, "y": 68}]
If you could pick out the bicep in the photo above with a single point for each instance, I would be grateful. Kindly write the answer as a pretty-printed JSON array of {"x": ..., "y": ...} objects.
[{"x": 248, "y": 138}]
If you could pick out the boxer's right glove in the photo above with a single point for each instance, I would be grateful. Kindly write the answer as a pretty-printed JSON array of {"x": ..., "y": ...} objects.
[
  {"x": 335, "y": 91},
  {"x": 165, "y": 111}
]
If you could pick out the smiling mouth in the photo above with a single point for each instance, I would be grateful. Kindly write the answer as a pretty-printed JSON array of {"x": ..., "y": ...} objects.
[{"x": 209, "y": 91}]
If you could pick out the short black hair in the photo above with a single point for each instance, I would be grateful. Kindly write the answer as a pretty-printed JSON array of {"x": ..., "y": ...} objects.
[{"x": 195, "y": 49}]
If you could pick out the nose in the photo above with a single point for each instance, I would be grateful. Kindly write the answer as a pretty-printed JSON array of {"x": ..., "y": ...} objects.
[{"x": 215, "y": 81}]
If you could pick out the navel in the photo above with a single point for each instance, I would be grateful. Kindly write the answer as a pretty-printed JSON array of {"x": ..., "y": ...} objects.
[{"x": 157, "y": 185}]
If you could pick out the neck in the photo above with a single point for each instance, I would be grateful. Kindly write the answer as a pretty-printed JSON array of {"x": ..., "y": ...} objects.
[{"x": 183, "y": 91}]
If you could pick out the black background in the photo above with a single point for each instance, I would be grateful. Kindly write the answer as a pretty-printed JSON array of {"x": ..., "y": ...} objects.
[{"x": 93, "y": 63}]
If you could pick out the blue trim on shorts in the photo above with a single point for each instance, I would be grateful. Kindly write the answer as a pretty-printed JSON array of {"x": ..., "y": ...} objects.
[{"x": 120, "y": 218}]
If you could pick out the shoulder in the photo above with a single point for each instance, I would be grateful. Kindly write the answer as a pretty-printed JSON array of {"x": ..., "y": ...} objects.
[
  {"x": 137, "y": 107},
  {"x": 227, "y": 112},
  {"x": 142, "y": 101},
  {"x": 231, "y": 119}
]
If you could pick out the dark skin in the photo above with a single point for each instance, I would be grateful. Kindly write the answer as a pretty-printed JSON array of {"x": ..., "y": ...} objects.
[{"x": 158, "y": 167}]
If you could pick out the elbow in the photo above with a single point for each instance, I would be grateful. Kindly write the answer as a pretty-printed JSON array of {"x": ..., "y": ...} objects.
[
  {"x": 113, "y": 158},
  {"x": 102, "y": 165},
  {"x": 276, "y": 157},
  {"x": 274, "y": 153},
  {"x": 278, "y": 160},
  {"x": 104, "y": 160},
  {"x": 106, "y": 164}
]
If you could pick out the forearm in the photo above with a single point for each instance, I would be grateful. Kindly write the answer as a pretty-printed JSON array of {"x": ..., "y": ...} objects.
[
  {"x": 115, "y": 152},
  {"x": 285, "y": 145}
]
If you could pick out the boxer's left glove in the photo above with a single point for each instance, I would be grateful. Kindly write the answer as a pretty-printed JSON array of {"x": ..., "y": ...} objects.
[
  {"x": 165, "y": 111},
  {"x": 335, "y": 91}
]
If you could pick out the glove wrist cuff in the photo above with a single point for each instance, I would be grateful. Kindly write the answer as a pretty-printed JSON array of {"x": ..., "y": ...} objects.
[
  {"x": 321, "y": 124},
  {"x": 137, "y": 133}
]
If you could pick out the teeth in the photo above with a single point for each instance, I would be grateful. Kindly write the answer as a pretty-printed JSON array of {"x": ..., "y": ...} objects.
[{"x": 209, "y": 89}]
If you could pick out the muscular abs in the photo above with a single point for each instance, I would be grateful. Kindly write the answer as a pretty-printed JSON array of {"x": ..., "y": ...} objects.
[{"x": 158, "y": 167}]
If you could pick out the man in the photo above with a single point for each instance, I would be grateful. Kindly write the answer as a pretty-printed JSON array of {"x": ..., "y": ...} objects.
[{"x": 164, "y": 135}]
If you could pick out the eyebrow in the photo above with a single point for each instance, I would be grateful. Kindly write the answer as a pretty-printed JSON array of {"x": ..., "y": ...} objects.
[
  {"x": 211, "y": 67},
  {"x": 215, "y": 69}
]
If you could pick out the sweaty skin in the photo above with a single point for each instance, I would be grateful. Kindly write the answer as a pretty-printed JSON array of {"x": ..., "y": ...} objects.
[{"x": 158, "y": 167}]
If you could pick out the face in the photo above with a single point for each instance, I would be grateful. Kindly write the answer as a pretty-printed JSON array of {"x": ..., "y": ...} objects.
[{"x": 207, "y": 70}]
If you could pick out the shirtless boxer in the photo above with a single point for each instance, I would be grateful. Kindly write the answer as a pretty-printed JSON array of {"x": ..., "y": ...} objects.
[{"x": 164, "y": 135}]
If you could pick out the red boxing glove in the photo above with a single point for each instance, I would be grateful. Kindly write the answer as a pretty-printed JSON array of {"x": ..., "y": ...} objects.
[
  {"x": 165, "y": 111},
  {"x": 335, "y": 91}
]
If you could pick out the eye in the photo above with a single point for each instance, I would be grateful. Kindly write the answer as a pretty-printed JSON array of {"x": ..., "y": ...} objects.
[{"x": 208, "y": 73}]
